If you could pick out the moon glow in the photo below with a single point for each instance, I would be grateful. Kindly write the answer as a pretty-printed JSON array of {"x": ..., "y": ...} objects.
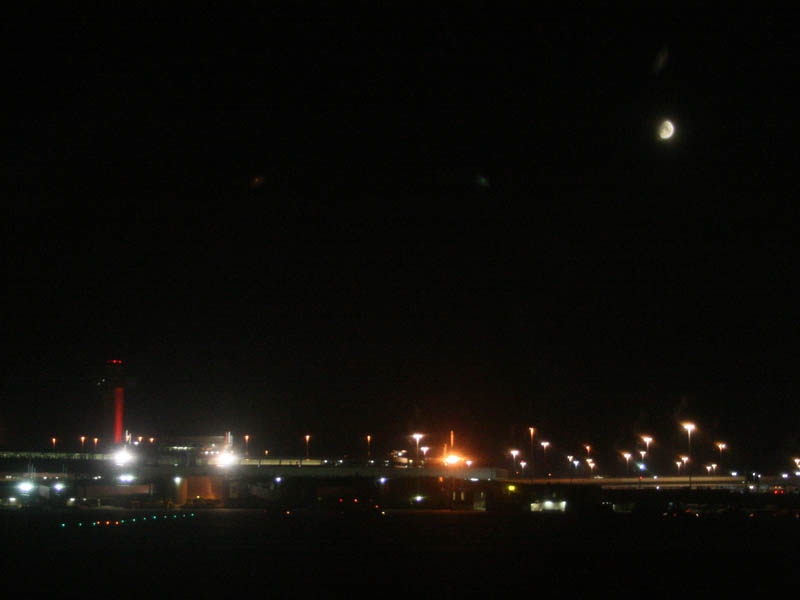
[{"x": 666, "y": 130}]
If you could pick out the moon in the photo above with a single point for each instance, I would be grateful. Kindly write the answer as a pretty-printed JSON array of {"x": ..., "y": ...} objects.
[{"x": 666, "y": 130}]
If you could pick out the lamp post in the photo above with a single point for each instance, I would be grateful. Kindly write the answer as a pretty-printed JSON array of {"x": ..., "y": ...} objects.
[
  {"x": 308, "y": 439},
  {"x": 83, "y": 440},
  {"x": 531, "y": 431},
  {"x": 246, "y": 444},
  {"x": 722, "y": 446},
  {"x": 424, "y": 452},
  {"x": 369, "y": 447},
  {"x": 53, "y": 440},
  {"x": 95, "y": 440},
  {"x": 544, "y": 445},
  {"x": 417, "y": 437},
  {"x": 689, "y": 427},
  {"x": 647, "y": 441},
  {"x": 627, "y": 457},
  {"x": 514, "y": 454}
]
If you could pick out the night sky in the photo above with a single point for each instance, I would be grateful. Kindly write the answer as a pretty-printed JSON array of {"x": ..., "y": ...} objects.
[{"x": 343, "y": 221}]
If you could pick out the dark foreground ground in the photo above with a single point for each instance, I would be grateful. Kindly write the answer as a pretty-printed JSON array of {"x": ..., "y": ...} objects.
[{"x": 252, "y": 554}]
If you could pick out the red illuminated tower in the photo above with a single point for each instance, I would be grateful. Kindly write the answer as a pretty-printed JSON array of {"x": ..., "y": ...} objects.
[{"x": 116, "y": 398}]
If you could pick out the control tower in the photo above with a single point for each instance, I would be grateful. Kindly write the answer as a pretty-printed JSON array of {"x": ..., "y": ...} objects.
[{"x": 114, "y": 401}]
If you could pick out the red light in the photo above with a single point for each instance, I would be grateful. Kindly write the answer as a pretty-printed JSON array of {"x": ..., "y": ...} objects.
[
  {"x": 355, "y": 500},
  {"x": 341, "y": 500}
]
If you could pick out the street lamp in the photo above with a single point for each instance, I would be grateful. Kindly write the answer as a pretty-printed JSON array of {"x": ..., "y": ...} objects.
[
  {"x": 545, "y": 445},
  {"x": 83, "y": 439},
  {"x": 689, "y": 427},
  {"x": 369, "y": 446},
  {"x": 514, "y": 454},
  {"x": 627, "y": 457},
  {"x": 424, "y": 452},
  {"x": 722, "y": 446},
  {"x": 54, "y": 443},
  {"x": 95, "y": 440},
  {"x": 417, "y": 437},
  {"x": 588, "y": 450},
  {"x": 308, "y": 439},
  {"x": 531, "y": 430}
]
